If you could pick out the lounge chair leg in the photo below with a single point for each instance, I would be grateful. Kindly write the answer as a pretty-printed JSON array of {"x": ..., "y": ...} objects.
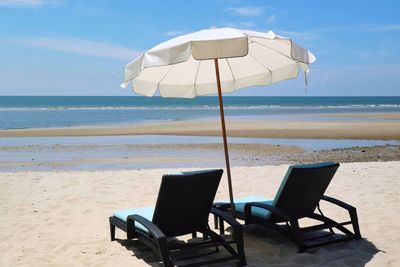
[
  {"x": 205, "y": 237},
  {"x": 164, "y": 252},
  {"x": 238, "y": 235},
  {"x": 295, "y": 235},
  {"x": 354, "y": 220},
  {"x": 215, "y": 221},
  {"x": 112, "y": 231},
  {"x": 130, "y": 232},
  {"x": 221, "y": 226},
  {"x": 239, "y": 254}
]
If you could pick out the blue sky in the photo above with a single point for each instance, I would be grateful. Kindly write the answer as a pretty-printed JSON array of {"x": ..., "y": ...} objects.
[{"x": 67, "y": 47}]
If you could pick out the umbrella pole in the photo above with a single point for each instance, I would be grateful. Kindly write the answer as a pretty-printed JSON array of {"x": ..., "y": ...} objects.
[{"x": 221, "y": 109}]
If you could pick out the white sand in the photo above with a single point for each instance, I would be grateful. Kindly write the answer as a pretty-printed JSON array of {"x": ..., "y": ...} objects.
[{"x": 61, "y": 218}]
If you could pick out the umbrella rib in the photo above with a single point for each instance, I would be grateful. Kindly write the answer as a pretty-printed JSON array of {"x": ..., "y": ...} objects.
[
  {"x": 229, "y": 65},
  {"x": 270, "y": 71},
  {"x": 195, "y": 78},
  {"x": 233, "y": 76},
  {"x": 158, "y": 84},
  {"x": 276, "y": 51}
]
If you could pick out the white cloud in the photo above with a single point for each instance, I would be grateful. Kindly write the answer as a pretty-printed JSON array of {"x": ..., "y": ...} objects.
[
  {"x": 359, "y": 28},
  {"x": 174, "y": 33},
  {"x": 239, "y": 25},
  {"x": 245, "y": 11},
  {"x": 80, "y": 46},
  {"x": 303, "y": 36},
  {"x": 30, "y": 3},
  {"x": 379, "y": 28},
  {"x": 313, "y": 34},
  {"x": 271, "y": 19},
  {"x": 231, "y": 24},
  {"x": 248, "y": 24}
]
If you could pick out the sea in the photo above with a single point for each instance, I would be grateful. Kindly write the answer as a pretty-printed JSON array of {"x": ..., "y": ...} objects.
[
  {"x": 47, "y": 153},
  {"x": 20, "y": 112}
]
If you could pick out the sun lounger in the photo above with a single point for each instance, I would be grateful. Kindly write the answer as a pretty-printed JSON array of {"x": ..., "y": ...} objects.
[
  {"x": 298, "y": 197},
  {"x": 183, "y": 206}
]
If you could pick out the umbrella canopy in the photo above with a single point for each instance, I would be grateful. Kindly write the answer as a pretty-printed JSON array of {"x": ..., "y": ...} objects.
[
  {"x": 184, "y": 67},
  {"x": 216, "y": 61}
]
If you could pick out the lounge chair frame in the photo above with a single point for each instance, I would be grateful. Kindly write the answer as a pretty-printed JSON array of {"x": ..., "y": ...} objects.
[
  {"x": 157, "y": 240},
  {"x": 287, "y": 223},
  {"x": 295, "y": 233}
]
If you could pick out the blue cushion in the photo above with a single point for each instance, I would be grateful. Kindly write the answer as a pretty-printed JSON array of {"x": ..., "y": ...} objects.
[
  {"x": 144, "y": 212},
  {"x": 313, "y": 165},
  {"x": 259, "y": 212},
  {"x": 190, "y": 172}
]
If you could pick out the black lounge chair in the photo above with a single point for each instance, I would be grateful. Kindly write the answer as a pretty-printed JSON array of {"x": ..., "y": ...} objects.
[
  {"x": 183, "y": 206},
  {"x": 298, "y": 197}
]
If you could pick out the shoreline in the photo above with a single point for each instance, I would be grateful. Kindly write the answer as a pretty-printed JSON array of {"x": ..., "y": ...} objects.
[
  {"x": 340, "y": 128},
  {"x": 198, "y": 143},
  {"x": 149, "y": 156}
]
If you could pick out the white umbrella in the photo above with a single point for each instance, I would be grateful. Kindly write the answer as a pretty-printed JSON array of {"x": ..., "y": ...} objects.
[{"x": 183, "y": 67}]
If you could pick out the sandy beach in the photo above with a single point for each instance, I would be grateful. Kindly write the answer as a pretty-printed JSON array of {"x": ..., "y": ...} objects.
[
  {"x": 57, "y": 196},
  {"x": 61, "y": 218}
]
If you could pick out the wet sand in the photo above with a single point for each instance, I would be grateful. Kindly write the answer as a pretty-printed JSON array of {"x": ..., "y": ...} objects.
[
  {"x": 148, "y": 156},
  {"x": 299, "y": 128}
]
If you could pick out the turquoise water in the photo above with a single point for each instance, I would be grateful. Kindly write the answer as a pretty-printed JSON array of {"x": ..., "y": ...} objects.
[{"x": 18, "y": 112}]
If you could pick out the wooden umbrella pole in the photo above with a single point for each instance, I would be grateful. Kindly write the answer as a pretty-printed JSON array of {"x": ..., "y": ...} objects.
[{"x": 221, "y": 109}]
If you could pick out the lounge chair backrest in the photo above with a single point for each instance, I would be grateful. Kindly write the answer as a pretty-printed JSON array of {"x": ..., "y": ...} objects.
[
  {"x": 184, "y": 201},
  {"x": 303, "y": 186}
]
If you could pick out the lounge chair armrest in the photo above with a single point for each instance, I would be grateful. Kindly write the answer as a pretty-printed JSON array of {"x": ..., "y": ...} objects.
[
  {"x": 338, "y": 202},
  {"x": 352, "y": 213},
  {"x": 275, "y": 210},
  {"x": 221, "y": 205},
  {"x": 226, "y": 217},
  {"x": 153, "y": 229}
]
